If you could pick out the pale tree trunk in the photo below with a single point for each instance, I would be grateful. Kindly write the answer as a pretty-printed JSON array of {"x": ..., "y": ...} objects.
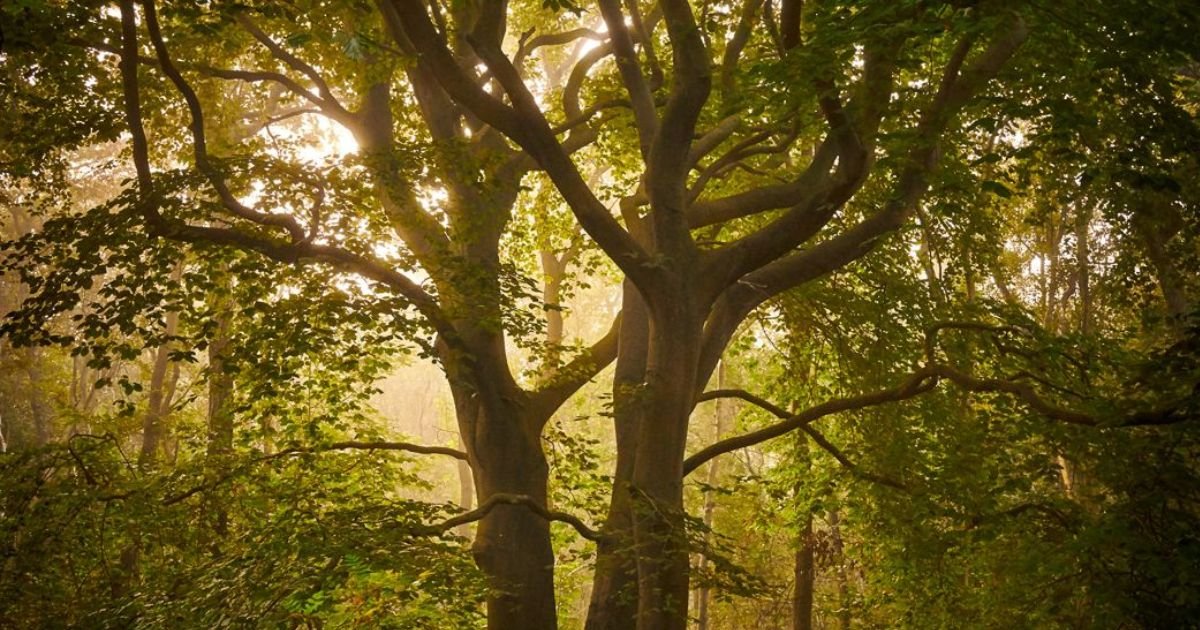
[
  {"x": 38, "y": 407},
  {"x": 703, "y": 594},
  {"x": 154, "y": 422},
  {"x": 466, "y": 491},
  {"x": 843, "y": 571}
]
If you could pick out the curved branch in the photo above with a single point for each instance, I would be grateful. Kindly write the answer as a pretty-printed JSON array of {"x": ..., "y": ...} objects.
[
  {"x": 644, "y": 113},
  {"x": 919, "y": 382},
  {"x": 525, "y": 124},
  {"x": 306, "y": 450},
  {"x": 292, "y": 61},
  {"x": 846, "y": 463},
  {"x": 578, "y": 372},
  {"x": 199, "y": 141},
  {"x": 499, "y": 499},
  {"x": 420, "y": 449}
]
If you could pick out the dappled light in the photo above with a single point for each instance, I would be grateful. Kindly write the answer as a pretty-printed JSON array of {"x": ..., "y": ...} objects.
[{"x": 643, "y": 315}]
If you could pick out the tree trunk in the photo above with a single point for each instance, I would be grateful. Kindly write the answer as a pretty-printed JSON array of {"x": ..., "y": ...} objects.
[
  {"x": 38, "y": 407},
  {"x": 614, "y": 586},
  {"x": 662, "y": 549},
  {"x": 710, "y": 500},
  {"x": 219, "y": 444},
  {"x": 805, "y": 575},
  {"x": 1159, "y": 223},
  {"x": 512, "y": 543},
  {"x": 843, "y": 574},
  {"x": 154, "y": 422},
  {"x": 466, "y": 492}
]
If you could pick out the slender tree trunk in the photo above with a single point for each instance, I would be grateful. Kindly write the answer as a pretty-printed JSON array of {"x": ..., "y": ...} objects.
[
  {"x": 703, "y": 594},
  {"x": 219, "y": 444},
  {"x": 553, "y": 271},
  {"x": 466, "y": 491},
  {"x": 154, "y": 426},
  {"x": 614, "y": 586},
  {"x": 38, "y": 407},
  {"x": 1083, "y": 224},
  {"x": 805, "y": 577},
  {"x": 843, "y": 572}
]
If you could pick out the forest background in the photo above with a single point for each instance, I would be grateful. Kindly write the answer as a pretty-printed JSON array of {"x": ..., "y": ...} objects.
[{"x": 767, "y": 313}]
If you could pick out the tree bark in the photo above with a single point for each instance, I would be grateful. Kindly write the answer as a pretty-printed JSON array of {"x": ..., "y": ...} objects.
[
  {"x": 805, "y": 577},
  {"x": 38, "y": 407},
  {"x": 843, "y": 574},
  {"x": 662, "y": 549},
  {"x": 614, "y": 587},
  {"x": 154, "y": 426},
  {"x": 466, "y": 491},
  {"x": 219, "y": 443},
  {"x": 512, "y": 543}
]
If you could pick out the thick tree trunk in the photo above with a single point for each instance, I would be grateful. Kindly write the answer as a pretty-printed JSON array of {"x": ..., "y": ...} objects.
[
  {"x": 1158, "y": 223},
  {"x": 512, "y": 543},
  {"x": 614, "y": 586},
  {"x": 662, "y": 549}
]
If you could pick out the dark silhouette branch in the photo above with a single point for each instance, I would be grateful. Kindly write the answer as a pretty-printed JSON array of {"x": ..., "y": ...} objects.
[
  {"x": 918, "y": 383},
  {"x": 309, "y": 450},
  {"x": 577, "y": 372},
  {"x": 499, "y": 499}
]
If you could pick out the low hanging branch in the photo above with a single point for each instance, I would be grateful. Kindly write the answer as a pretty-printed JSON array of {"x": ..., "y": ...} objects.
[
  {"x": 919, "y": 382},
  {"x": 420, "y": 449},
  {"x": 850, "y": 465},
  {"x": 499, "y": 499},
  {"x": 308, "y": 450}
]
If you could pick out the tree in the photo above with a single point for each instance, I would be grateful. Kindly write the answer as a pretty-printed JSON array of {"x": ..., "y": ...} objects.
[{"x": 748, "y": 165}]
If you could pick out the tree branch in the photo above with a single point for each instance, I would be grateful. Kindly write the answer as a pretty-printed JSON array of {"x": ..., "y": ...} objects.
[
  {"x": 527, "y": 126},
  {"x": 308, "y": 450},
  {"x": 918, "y": 383},
  {"x": 499, "y": 499},
  {"x": 578, "y": 372}
]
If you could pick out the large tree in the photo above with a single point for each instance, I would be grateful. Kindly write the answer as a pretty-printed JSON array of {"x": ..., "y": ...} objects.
[{"x": 750, "y": 150}]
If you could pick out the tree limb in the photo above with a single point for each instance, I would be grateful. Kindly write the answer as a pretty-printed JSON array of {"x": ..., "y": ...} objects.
[
  {"x": 502, "y": 498},
  {"x": 918, "y": 383}
]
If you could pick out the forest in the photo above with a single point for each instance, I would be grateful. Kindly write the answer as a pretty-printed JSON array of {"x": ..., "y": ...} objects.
[{"x": 617, "y": 315}]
